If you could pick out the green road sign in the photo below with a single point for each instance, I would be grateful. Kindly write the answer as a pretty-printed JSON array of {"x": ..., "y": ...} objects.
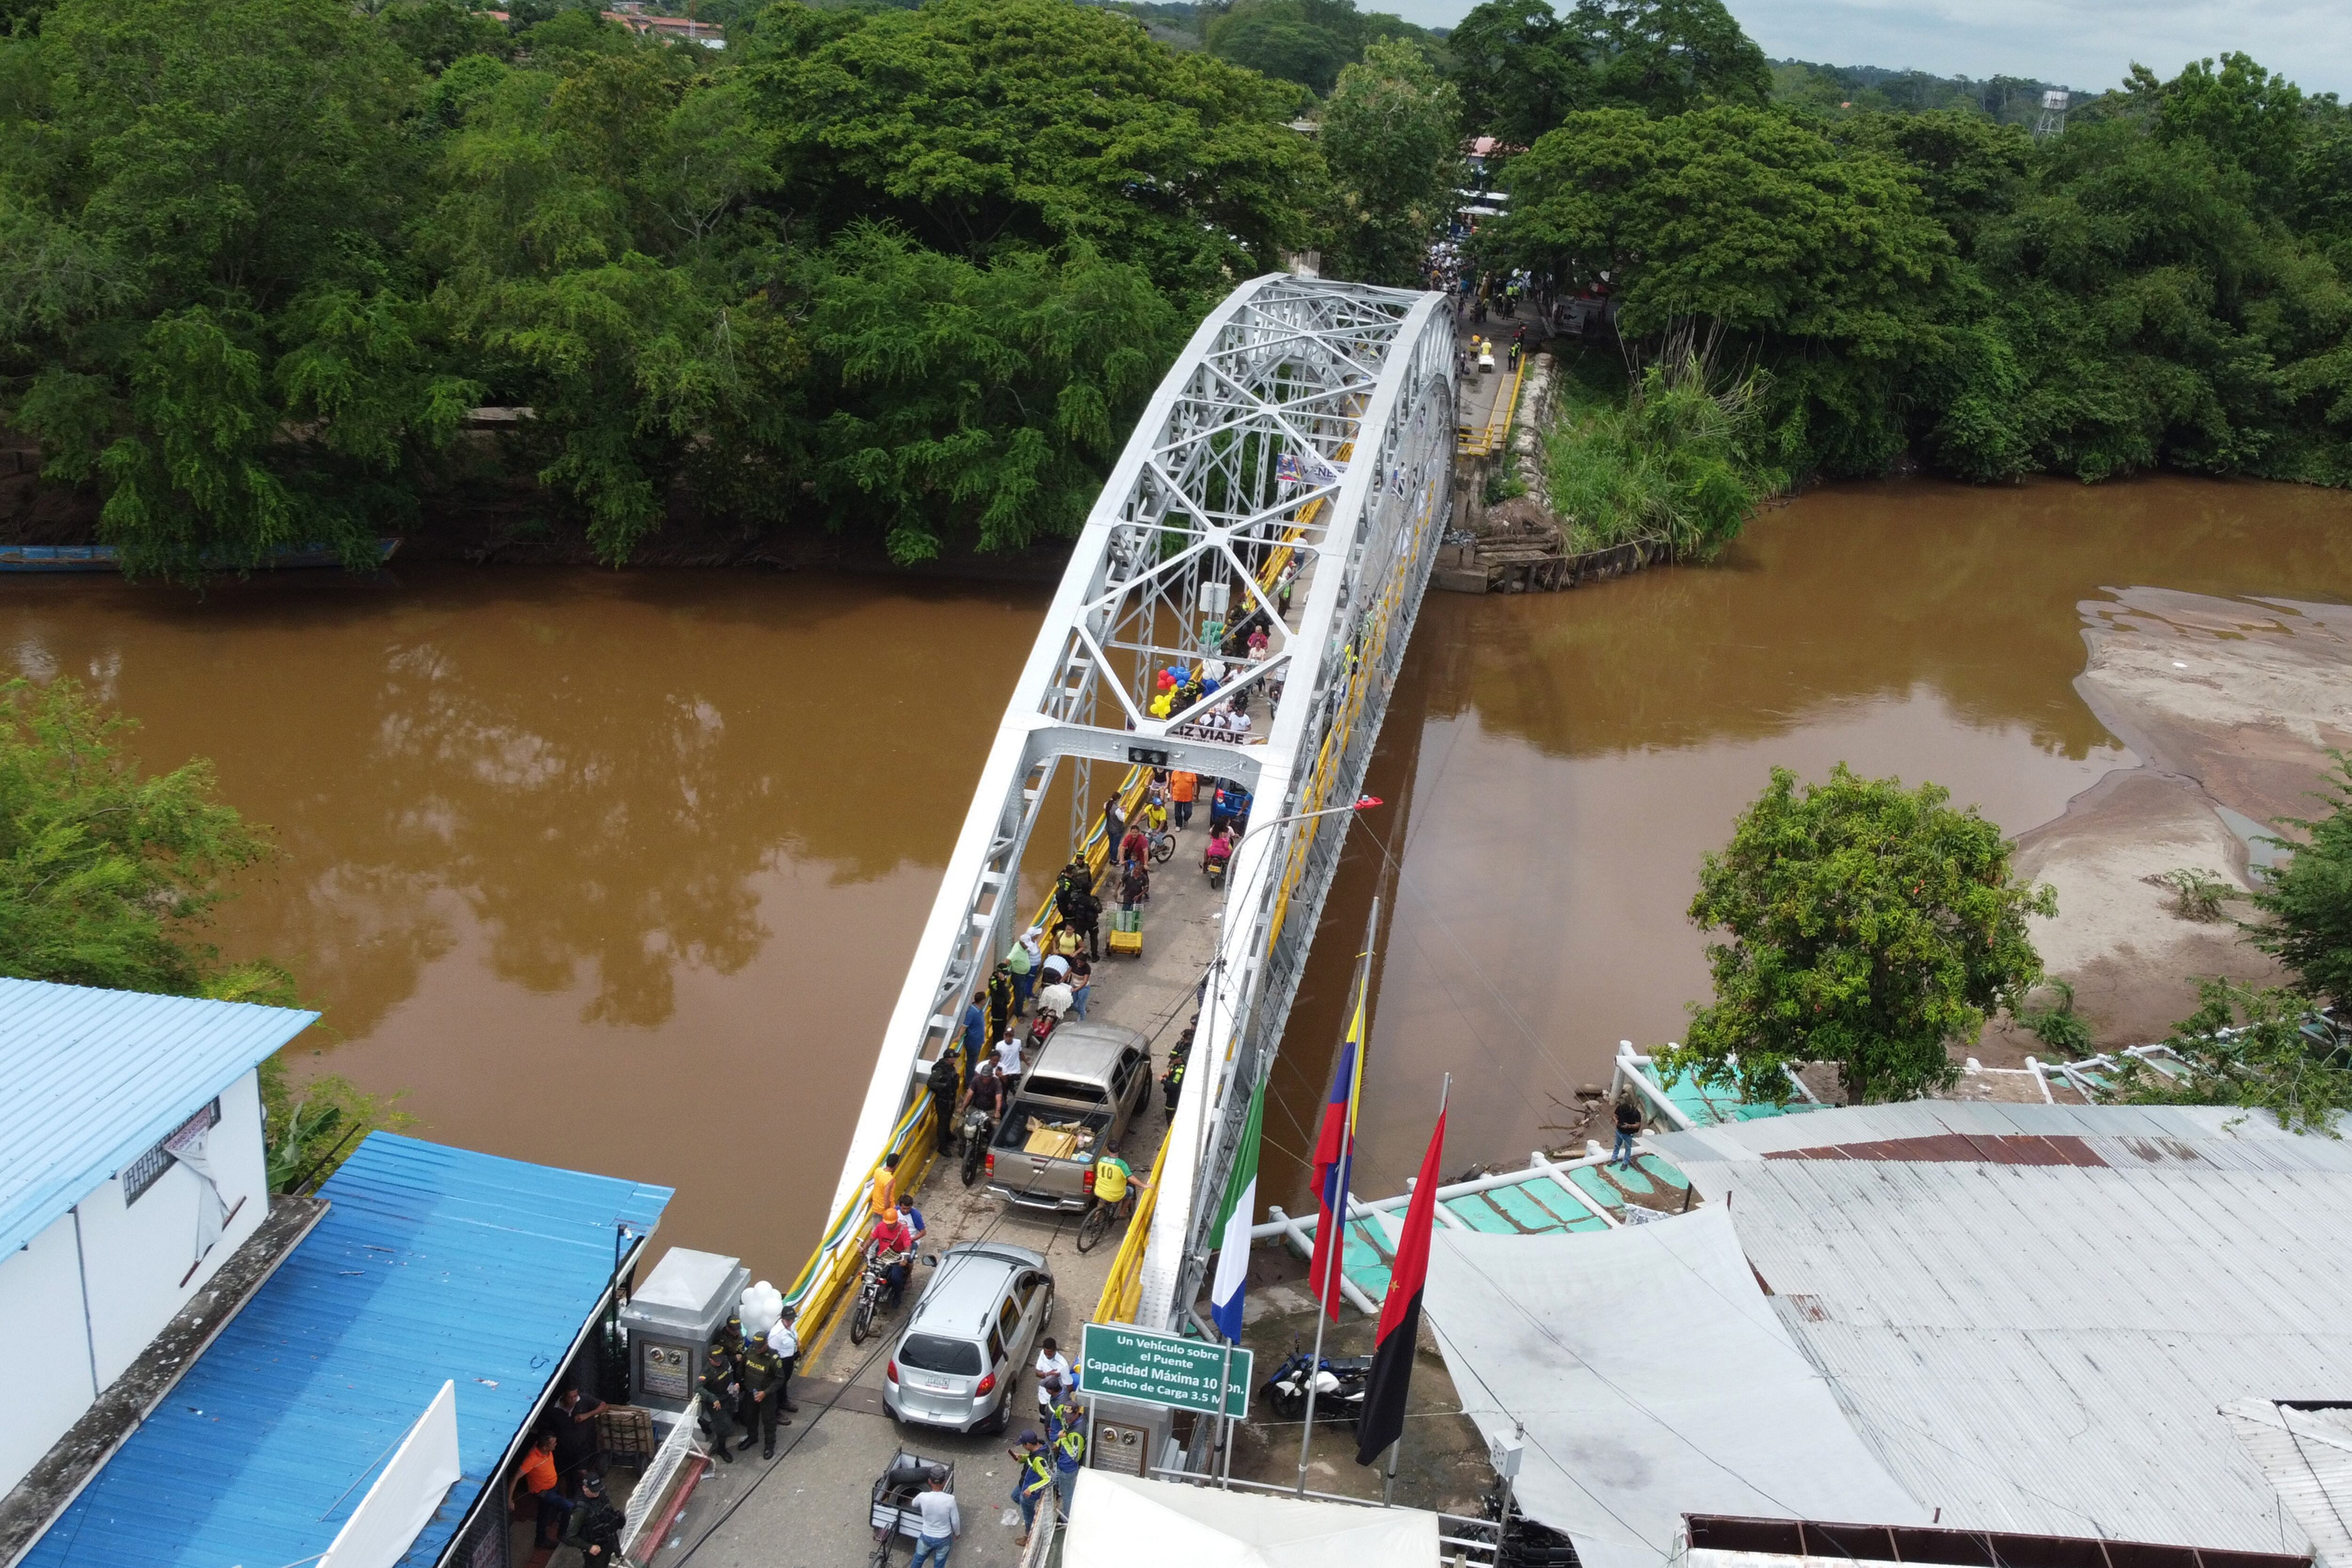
[{"x": 1161, "y": 1369}]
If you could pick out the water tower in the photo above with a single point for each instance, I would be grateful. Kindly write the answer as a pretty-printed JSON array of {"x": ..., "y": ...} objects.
[{"x": 2053, "y": 113}]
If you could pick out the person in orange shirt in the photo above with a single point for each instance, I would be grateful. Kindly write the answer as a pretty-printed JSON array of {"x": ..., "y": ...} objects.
[
  {"x": 1181, "y": 788},
  {"x": 885, "y": 1188},
  {"x": 536, "y": 1480}
]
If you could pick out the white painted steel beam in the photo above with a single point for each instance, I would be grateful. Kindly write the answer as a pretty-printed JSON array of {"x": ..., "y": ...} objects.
[{"x": 1353, "y": 385}]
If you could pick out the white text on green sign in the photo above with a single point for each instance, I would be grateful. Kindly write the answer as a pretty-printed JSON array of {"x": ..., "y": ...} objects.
[{"x": 1164, "y": 1369}]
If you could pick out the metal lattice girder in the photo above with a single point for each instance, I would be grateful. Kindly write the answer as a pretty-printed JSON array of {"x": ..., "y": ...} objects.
[{"x": 1306, "y": 416}]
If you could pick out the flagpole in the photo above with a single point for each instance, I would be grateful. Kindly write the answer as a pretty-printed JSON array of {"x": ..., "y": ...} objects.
[
  {"x": 1387, "y": 1486},
  {"x": 1328, "y": 1286},
  {"x": 1225, "y": 1392}
]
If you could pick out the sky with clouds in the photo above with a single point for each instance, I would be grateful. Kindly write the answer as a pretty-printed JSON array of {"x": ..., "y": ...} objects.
[{"x": 2086, "y": 43}]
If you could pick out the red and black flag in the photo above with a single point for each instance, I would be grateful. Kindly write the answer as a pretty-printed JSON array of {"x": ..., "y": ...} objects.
[{"x": 1383, "y": 1421}]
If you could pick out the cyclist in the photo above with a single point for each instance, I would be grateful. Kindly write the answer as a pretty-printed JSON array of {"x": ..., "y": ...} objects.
[{"x": 1115, "y": 1183}]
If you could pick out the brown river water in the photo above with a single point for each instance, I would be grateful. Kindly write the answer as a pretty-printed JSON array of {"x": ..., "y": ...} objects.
[{"x": 623, "y": 871}]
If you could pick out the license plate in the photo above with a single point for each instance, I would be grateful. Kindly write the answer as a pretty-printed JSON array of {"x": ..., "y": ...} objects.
[{"x": 931, "y": 1385}]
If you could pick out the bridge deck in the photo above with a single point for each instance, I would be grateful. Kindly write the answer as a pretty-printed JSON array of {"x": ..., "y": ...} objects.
[{"x": 813, "y": 1510}]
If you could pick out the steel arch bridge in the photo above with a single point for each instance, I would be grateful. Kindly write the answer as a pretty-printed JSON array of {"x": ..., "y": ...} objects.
[{"x": 1303, "y": 441}]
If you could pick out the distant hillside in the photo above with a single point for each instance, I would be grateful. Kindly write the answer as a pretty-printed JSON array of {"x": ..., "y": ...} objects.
[{"x": 2011, "y": 100}]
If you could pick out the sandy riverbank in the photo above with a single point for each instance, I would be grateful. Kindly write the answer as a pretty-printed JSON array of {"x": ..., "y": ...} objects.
[{"x": 2231, "y": 707}]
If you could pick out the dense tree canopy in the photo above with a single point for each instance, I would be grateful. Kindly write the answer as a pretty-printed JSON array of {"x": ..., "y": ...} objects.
[
  {"x": 2161, "y": 286},
  {"x": 906, "y": 271},
  {"x": 1524, "y": 67},
  {"x": 1308, "y": 42},
  {"x": 1390, "y": 137}
]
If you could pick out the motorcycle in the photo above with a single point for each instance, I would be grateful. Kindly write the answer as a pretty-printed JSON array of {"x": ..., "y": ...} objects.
[
  {"x": 869, "y": 1294},
  {"x": 1340, "y": 1387},
  {"x": 977, "y": 1128}
]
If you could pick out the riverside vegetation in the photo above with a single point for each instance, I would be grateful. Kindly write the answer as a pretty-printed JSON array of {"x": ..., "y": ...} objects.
[
  {"x": 1871, "y": 926},
  {"x": 910, "y": 273}
]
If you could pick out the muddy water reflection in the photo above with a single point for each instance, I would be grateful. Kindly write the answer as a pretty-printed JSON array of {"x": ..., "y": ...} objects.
[
  {"x": 624, "y": 872},
  {"x": 620, "y": 872},
  {"x": 1563, "y": 761}
]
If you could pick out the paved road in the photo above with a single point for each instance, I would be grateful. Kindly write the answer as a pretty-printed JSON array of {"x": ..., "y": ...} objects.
[
  {"x": 807, "y": 1508},
  {"x": 1480, "y": 389}
]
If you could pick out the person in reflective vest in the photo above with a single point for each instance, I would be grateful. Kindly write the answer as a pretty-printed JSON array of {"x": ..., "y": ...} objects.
[
  {"x": 1032, "y": 1478},
  {"x": 1067, "y": 1426}
]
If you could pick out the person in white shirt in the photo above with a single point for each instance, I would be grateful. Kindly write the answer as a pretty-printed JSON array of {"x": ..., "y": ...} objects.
[
  {"x": 1052, "y": 1364},
  {"x": 786, "y": 1344},
  {"x": 1008, "y": 1058},
  {"x": 1057, "y": 999},
  {"x": 942, "y": 1522}
]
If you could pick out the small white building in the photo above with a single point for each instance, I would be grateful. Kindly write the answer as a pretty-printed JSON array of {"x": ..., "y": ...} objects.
[{"x": 130, "y": 1169}]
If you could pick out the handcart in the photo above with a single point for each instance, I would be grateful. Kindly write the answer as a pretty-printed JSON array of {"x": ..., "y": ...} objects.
[
  {"x": 894, "y": 1499},
  {"x": 1126, "y": 933}
]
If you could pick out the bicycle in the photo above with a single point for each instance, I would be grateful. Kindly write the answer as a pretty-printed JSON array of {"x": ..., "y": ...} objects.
[
  {"x": 1098, "y": 1217},
  {"x": 1163, "y": 845}
]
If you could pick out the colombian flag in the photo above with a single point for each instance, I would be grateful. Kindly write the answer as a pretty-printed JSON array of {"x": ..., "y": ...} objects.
[{"x": 1335, "y": 1151}]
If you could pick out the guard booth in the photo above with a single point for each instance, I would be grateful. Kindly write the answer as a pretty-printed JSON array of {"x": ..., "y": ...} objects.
[{"x": 671, "y": 1321}]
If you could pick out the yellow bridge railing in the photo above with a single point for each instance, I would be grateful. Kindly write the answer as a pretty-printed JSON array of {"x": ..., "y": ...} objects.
[{"x": 1481, "y": 441}]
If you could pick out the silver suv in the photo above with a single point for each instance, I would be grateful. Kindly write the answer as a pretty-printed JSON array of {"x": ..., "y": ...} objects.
[{"x": 962, "y": 1350}]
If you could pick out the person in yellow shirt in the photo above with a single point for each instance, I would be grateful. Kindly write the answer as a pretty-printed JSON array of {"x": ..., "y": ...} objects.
[{"x": 1115, "y": 1180}]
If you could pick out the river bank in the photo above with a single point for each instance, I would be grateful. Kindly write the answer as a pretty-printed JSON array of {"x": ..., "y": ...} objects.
[{"x": 2231, "y": 705}]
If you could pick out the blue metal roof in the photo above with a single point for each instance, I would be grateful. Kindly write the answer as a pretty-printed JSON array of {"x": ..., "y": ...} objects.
[
  {"x": 95, "y": 1078},
  {"x": 434, "y": 1264}
]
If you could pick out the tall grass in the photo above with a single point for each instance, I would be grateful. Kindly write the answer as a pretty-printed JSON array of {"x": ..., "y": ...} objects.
[{"x": 1676, "y": 462}]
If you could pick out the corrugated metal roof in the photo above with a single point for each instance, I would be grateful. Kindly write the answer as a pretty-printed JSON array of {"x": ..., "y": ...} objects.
[
  {"x": 2047, "y": 1348},
  {"x": 95, "y": 1078},
  {"x": 2308, "y": 1454},
  {"x": 432, "y": 1265},
  {"x": 2200, "y": 1125}
]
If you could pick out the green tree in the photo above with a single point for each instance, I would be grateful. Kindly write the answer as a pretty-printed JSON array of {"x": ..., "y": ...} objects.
[
  {"x": 1870, "y": 925},
  {"x": 205, "y": 307},
  {"x": 106, "y": 874},
  {"x": 602, "y": 255},
  {"x": 975, "y": 400},
  {"x": 1308, "y": 42},
  {"x": 1392, "y": 137},
  {"x": 987, "y": 126},
  {"x": 2307, "y": 902},
  {"x": 1820, "y": 259},
  {"x": 1525, "y": 69},
  {"x": 2254, "y": 1047}
]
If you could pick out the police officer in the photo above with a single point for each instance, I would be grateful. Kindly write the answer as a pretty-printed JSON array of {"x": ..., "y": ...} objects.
[
  {"x": 1000, "y": 1001},
  {"x": 596, "y": 1525},
  {"x": 764, "y": 1372},
  {"x": 719, "y": 1389},
  {"x": 946, "y": 1083}
]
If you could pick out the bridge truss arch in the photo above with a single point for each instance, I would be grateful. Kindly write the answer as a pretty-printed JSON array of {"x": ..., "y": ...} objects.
[{"x": 1306, "y": 433}]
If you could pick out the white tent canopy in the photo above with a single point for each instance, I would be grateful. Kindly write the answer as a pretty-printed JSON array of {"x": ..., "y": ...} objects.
[
  {"x": 1119, "y": 1521},
  {"x": 1655, "y": 1380}
]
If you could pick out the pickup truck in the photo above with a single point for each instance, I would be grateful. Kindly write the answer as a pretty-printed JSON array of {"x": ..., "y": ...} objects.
[{"x": 1090, "y": 1081}]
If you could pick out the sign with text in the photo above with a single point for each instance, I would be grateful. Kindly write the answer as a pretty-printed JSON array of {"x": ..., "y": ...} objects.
[{"x": 1162, "y": 1369}]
